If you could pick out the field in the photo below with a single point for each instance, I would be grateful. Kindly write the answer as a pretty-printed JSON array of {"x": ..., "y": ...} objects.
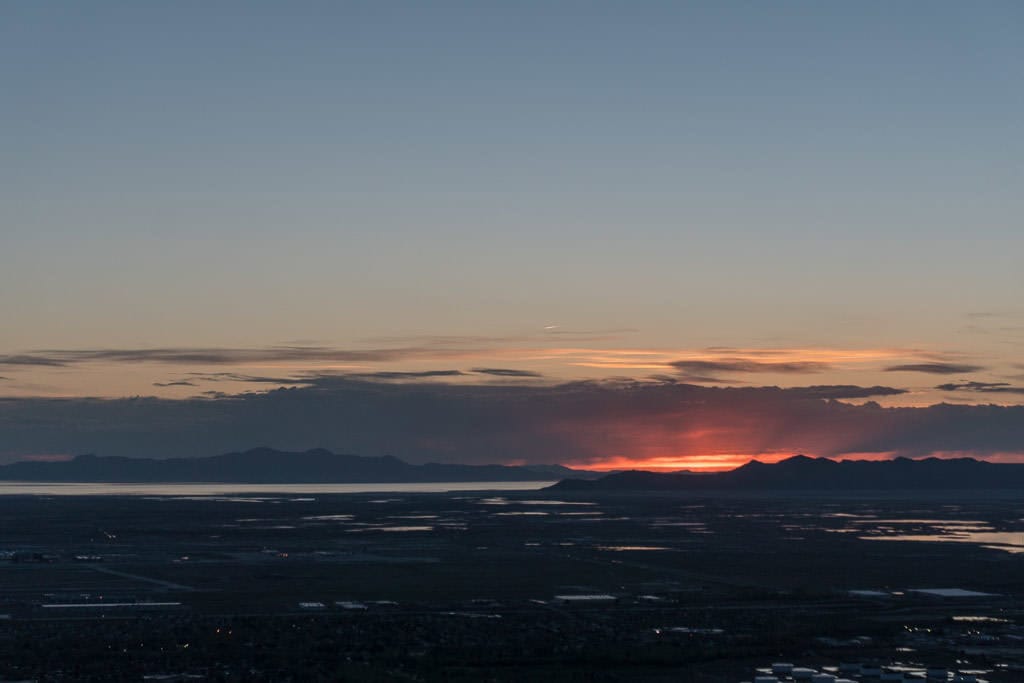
[{"x": 487, "y": 586}]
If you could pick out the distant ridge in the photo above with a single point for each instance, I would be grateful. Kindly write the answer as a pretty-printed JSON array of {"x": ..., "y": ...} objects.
[
  {"x": 269, "y": 466},
  {"x": 804, "y": 473}
]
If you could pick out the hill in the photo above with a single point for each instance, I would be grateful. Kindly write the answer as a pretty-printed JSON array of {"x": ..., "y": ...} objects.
[
  {"x": 269, "y": 466},
  {"x": 804, "y": 473}
]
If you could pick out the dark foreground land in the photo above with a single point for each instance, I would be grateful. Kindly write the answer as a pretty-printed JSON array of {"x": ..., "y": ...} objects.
[{"x": 465, "y": 587}]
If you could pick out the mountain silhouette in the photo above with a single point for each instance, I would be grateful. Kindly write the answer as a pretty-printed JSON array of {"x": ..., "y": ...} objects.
[
  {"x": 805, "y": 473},
  {"x": 269, "y": 466}
]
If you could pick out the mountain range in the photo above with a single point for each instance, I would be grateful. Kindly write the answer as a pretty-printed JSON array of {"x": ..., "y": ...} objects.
[
  {"x": 805, "y": 473},
  {"x": 269, "y": 466}
]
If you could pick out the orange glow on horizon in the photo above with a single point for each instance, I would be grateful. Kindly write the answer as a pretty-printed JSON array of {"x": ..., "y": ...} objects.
[
  {"x": 696, "y": 463},
  {"x": 727, "y": 462}
]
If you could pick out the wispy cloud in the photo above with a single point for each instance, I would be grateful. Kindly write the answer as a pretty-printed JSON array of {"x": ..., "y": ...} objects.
[
  {"x": 710, "y": 370},
  {"x": 300, "y": 379},
  {"x": 314, "y": 378},
  {"x": 30, "y": 359},
  {"x": 936, "y": 368},
  {"x": 808, "y": 359},
  {"x": 1006, "y": 313},
  {"x": 471, "y": 359},
  {"x": 507, "y": 372},
  {"x": 226, "y": 356},
  {"x": 842, "y": 391},
  {"x": 706, "y": 364},
  {"x": 408, "y": 375},
  {"x": 983, "y": 387},
  {"x": 549, "y": 334}
]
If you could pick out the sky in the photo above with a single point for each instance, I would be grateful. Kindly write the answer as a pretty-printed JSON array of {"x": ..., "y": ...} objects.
[{"x": 605, "y": 208}]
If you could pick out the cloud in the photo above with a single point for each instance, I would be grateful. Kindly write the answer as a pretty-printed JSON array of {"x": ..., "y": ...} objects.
[
  {"x": 400, "y": 349},
  {"x": 577, "y": 422},
  {"x": 310, "y": 378},
  {"x": 220, "y": 356},
  {"x": 302, "y": 379},
  {"x": 843, "y": 391},
  {"x": 392, "y": 375},
  {"x": 31, "y": 360},
  {"x": 548, "y": 334},
  {"x": 506, "y": 372},
  {"x": 296, "y": 365},
  {"x": 709, "y": 370},
  {"x": 217, "y": 394},
  {"x": 984, "y": 387},
  {"x": 1006, "y": 313},
  {"x": 935, "y": 368},
  {"x": 434, "y": 348},
  {"x": 588, "y": 335},
  {"x": 175, "y": 383}
]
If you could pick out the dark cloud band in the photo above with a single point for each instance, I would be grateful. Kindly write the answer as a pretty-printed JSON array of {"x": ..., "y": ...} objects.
[
  {"x": 538, "y": 423},
  {"x": 982, "y": 387},
  {"x": 935, "y": 368},
  {"x": 506, "y": 372},
  {"x": 711, "y": 370}
]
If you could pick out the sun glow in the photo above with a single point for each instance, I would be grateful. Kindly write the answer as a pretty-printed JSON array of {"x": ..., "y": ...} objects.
[
  {"x": 718, "y": 462},
  {"x": 723, "y": 462}
]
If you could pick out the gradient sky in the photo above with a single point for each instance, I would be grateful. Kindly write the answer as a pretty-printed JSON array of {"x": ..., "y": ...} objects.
[{"x": 724, "y": 193}]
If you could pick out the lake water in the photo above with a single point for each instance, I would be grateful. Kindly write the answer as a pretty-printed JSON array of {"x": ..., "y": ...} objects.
[
  {"x": 35, "y": 488},
  {"x": 932, "y": 530}
]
